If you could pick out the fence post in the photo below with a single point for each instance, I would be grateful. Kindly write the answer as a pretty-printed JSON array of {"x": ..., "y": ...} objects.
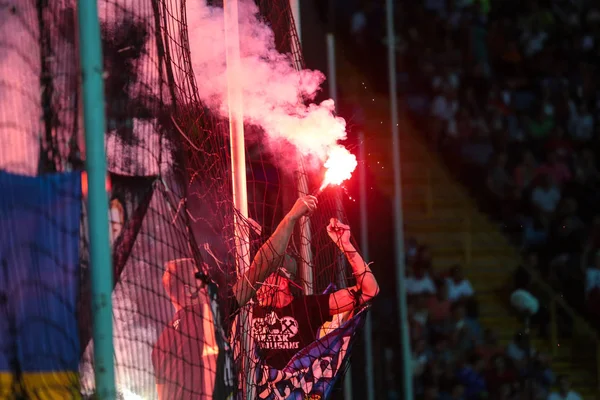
[
  {"x": 553, "y": 327},
  {"x": 90, "y": 50}
]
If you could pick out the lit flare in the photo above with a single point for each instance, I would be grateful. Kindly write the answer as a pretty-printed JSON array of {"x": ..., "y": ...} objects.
[{"x": 339, "y": 167}]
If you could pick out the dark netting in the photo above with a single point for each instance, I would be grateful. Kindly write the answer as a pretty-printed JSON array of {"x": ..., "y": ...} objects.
[{"x": 177, "y": 263}]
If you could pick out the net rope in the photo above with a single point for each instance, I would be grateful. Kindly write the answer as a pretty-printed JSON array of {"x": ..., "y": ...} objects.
[{"x": 171, "y": 206}]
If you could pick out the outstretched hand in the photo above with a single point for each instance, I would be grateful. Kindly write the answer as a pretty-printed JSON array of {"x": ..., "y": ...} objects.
[
  {"x": 304, "y": 206},
  {"x": 338, "y": 232}
]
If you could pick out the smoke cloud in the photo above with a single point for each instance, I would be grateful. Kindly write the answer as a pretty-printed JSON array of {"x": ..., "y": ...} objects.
[
  {"x": 20, "y": 106},
  {"x": 274, "y": 92},
  {"x": 149, "y": 154}
]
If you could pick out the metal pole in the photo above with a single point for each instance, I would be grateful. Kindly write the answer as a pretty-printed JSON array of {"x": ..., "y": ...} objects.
[
  {"x": 295, "y": 6},
  {"x": 238, "y": 175},
  {"x": 101, "y": 271},
  {"x": 331, "y": 75},
  {"x": 398, "y": 217},
  {"x": 306, "y": 263},
  {"x": 364, "y": 246}
]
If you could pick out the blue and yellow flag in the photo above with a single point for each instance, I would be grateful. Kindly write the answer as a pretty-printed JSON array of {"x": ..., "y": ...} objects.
[{"x": 39, "y": 275}]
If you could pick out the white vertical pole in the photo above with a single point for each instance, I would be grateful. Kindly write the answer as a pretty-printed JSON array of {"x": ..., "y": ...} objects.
[
  {"x": 295, "y": 6},
  {"x": 306, "y": 266},
  {"x": 364, "y": 247},
  {"x": 331, "y": 71},
  {"x": 238, "y": 173},
  {"x": 397, "y": 207}
]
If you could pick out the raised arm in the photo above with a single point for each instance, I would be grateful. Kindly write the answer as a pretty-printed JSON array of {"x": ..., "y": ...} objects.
[
  {"x": 366, "y": 287},
  {"x": 270, "y": 254}
]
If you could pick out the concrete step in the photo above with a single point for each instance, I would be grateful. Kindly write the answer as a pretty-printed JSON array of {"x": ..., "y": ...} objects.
[
  {"x": 481, "y": 263},
  {"x": 480, "y": 243},
  {"x": 461, "y": 226},
  {"x": 437, "y": 203},
  {"x": 505, "y": 252}
]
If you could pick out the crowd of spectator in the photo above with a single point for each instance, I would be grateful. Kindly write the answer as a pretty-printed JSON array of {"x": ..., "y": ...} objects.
[
  {"x": 453, "y": 356},
  {"x": 512, "y": 91},
  {"x": 506, "y": 92}
]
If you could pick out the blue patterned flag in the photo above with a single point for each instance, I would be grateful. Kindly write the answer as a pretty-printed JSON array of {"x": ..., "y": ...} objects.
[{"x": 312, "y": 372}]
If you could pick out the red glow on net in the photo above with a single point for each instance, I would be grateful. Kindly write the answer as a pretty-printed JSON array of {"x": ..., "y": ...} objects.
[
  {"x": 84, "y": 184},
  {"x": 339, "y": 167}
]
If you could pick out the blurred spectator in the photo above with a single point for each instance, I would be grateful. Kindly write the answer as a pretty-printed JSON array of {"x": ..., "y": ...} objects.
[
  {"x": 417, "y": 329},
  {"x": 459, "y": 287},
  {"x": 526, "y": 172},
  {"x": 420, "y": 357},
  {"x": 592, "y": 286},
  {"x": 564, "y": 391},
  {"x": 439, "y": 306},
  {"x": 499, "y": 374},
  {"x": 556, "y": 168},
  {"x": 539, "y": 128},
  {"x": 517, "y": 352},
  {"x": 559, "y": 145},
  {"x": 545, "y": 198},
  {"x": 431, "y": 393},
  {"x": 457, "y": 393},
  {"x": 499, "y": 183},
  {"x": 423, "y": 259},
  {"x": 490, "y": 347},
  {"x": 419, "y": 282},
  {"x": 581, "y": 124},
  {"x": 470, "y": 375}
]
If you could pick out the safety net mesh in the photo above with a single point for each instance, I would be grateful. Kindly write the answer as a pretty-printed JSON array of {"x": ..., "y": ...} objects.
[{"x": 178, "y": 330}]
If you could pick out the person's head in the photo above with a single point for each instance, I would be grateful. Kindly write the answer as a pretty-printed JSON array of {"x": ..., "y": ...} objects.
[
  {"x": 431, "y": 392},
  {"x": 440, "y": 343},
  {"x": 531, "y": 258},
  {"x": 459, "y": 311},
  {"x": 552, "y": 158},
  {"x": 529, "y": 158},
  {"x": 116, "y": 214},
  {"x": 420, "y": 345},
  {"x": 181, "y": 284},
  {"x": 504, "y": 391},
  {"x": 588, "y": 157},
  {"x": 499, "y": 363},
  {"x": 456, "y": 273},
  {"x": 564, "y": 384},
  {"x": 490, "y": 338},
  {"x": 424, "y": 254},
  {"x": 501, "y": 160},
  {"x": 458, "y": 391},
  {"x": 279, "y": 281},
  {"x": 570, "y": 206},
  {"x": 477, "y": 363},
  {"x": 558, "y": 132}
]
